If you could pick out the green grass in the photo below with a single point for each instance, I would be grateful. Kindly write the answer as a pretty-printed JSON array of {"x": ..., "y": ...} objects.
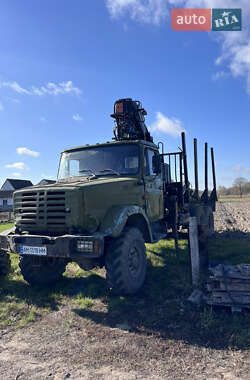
[
  {"x": 21, "y": 303},
  {"x": 84, "y": 302},
  {"x": 160, "y": 308},
  {"x": 234, "y": 199},
  {"x": 5, "y": 226}
]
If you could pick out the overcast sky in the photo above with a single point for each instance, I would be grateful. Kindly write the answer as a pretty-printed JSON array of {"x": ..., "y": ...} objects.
[{"x": 64, "y": 62}]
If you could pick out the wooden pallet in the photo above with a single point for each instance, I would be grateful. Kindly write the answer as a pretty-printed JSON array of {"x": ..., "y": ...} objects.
[{"x": 229, "y": 286}]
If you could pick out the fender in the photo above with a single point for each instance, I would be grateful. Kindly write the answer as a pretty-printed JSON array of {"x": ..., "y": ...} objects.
[
  {"x": 4, "y": 241},
  {"x": 117, "y": 217}
]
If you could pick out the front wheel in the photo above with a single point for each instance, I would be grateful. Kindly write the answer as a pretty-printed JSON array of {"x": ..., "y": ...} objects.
[
  {"x": 125, "y": 262},
  {"x": 41, "y": 270},
  {"x": 4, "y": 263}
]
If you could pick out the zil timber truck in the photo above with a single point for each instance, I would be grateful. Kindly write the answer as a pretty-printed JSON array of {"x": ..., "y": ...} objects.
[{"x": 109, "y": 200}]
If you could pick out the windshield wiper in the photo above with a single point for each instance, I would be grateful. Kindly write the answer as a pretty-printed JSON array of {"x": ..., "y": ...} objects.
[
  {"x": 88, "y": 170},
  {"x": 109, "y": 170}
]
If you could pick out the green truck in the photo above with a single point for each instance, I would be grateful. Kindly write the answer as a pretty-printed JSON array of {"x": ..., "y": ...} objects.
[{"x": 109, "y": 200}]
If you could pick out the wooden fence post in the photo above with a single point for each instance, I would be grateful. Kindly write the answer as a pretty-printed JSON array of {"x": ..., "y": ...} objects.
[{"x": 194, "y": 250}]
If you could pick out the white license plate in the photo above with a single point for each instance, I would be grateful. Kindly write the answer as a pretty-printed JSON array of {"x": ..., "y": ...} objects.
[{"x": 39, "y": 251}]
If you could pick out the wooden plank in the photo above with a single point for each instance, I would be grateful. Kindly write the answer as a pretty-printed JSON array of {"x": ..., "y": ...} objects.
[
  {"x": 234, "y": 308},
  {"x": 230, "y": 297},
  {"x": 194, "y": 250},
  {"x": 228, "y": 284},
  {"x": 241, "y": 271}
]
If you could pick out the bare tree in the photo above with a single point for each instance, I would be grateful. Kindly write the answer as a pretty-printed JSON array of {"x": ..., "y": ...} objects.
[{"x": 240, "y": 182}]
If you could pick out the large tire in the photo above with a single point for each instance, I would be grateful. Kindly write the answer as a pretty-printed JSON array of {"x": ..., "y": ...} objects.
[
  {"x": 4, "y": 263},
  {"x": 125, "y": 262},
  {"x": 41, "y": 270}
]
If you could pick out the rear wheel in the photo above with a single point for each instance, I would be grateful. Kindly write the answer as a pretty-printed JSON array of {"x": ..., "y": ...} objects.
[
  {"x": 125, "y": 262},
  {"x": 41, "y": 270},
  {"x": 4, "y": 263}
]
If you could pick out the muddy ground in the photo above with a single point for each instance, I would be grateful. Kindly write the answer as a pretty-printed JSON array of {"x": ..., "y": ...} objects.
[{"x": 64, "y": 344}]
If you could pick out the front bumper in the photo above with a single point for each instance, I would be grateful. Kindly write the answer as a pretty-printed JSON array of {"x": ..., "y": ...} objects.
[{"x": 65, "y": 246}]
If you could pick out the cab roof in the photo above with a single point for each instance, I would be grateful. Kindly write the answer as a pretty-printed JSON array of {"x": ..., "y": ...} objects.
[{"x": 121, "y": 142}]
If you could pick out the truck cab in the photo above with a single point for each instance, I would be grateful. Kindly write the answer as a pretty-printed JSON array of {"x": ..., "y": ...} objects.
[{"x": 93, "y": 181}]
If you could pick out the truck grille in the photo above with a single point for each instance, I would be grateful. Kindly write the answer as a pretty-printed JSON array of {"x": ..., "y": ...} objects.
[{"x": 41, "y": 208}]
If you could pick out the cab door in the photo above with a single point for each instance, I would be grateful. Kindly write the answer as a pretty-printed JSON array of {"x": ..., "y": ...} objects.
[{"x": 153, "y": 188}]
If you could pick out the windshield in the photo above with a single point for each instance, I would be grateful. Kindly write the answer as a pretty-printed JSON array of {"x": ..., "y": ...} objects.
[{"x": 103, "y": 160}]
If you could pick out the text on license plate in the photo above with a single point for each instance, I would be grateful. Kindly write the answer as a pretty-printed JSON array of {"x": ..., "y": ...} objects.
[{"x": 39, "y": 251}]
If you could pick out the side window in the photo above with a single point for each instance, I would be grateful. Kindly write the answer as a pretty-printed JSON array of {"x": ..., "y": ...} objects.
[{"x": 148, "y": 162}]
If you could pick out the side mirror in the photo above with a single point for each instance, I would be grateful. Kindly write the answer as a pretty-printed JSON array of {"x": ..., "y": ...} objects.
[{"x": 156, "y": 163}]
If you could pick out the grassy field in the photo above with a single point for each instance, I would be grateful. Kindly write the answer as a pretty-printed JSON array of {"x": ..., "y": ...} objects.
[
  {"x": 5, "y": 226},
  {"x": 160, "y": 308},
  {"x": 234, "y": 199}
]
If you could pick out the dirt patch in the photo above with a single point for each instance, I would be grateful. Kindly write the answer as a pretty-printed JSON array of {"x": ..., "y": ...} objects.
[
  {"x": 161, "y": 340},
  {"x": 233, "y": 217},
  {"x": 64, "y": 346}
]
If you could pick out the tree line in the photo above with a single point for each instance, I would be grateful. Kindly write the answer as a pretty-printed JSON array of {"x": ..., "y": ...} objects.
[{"x": 241, "y": 187}]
